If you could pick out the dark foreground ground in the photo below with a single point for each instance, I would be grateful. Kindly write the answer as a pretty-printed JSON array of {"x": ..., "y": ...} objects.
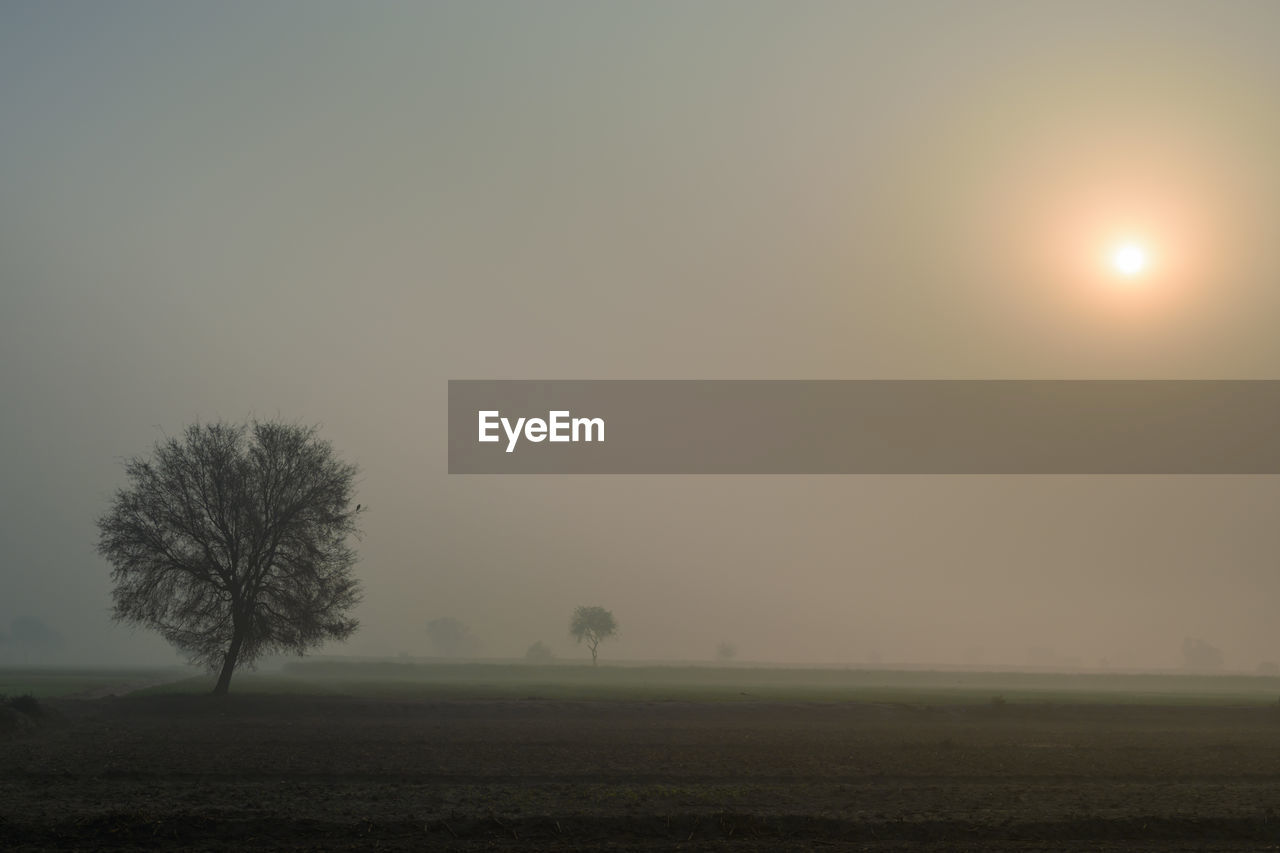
[{"x": 330, "y": 773}]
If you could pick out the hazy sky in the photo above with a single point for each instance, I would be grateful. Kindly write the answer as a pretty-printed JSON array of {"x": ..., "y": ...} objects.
[{"x": 325, "y": 210}]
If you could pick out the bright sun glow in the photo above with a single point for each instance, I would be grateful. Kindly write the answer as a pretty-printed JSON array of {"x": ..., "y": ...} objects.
[{"x": 1129, "y": 259}]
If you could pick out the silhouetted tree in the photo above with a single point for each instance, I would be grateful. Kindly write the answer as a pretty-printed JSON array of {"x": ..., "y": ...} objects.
[
  {"x": 726, "y": 652},
  {"x": 232, "y": 543},
  {"x": 451, "y": 638},
  {"x": 590, "y": 625}
]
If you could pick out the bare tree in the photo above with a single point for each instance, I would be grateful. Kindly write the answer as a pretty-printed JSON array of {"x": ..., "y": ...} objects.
[
  {"x": 590, "y": 625},
  {"x": 231, "y": 542}
]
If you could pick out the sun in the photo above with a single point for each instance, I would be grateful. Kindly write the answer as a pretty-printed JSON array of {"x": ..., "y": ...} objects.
[{"x": 1129, "y": 259}]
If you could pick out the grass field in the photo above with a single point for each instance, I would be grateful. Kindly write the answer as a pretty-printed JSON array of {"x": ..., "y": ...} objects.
[
  {"x": 303, "y": 771},
  {"x": 738, "y": 684},
  {"x": 52, "y": 682}
]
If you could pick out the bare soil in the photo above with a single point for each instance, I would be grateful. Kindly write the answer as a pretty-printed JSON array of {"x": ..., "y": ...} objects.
[{"x": 328, "y": 773}]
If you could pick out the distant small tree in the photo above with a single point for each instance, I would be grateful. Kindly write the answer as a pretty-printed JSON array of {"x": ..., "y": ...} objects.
[
  {"x": 451, "y": 638},
  {"x": 591, "y": 625},
  {"x": 231, "y": 542},
  {"x": 539, "y": 653},
  {"x": 726, "y": 652},
  {"x": 1199, "y": 655},
  {"x": 33, "y": 632}
]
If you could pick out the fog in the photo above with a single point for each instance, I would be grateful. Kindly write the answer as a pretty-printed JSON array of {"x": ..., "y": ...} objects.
[{"x": 323, "y": 211}]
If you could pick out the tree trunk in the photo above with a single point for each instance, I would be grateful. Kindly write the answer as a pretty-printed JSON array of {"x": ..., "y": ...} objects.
[
  {"x": 228, "y": 665},
  {"x": 593, "y": 655}
]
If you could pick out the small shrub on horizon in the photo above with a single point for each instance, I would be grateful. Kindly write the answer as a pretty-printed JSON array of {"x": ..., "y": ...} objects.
[
  {"x": 20, "y": 713},
  {"x": 539, "y": 653}
]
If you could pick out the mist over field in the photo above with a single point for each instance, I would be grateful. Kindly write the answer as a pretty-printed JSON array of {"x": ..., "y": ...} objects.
[{"x": 322, "y": 212}]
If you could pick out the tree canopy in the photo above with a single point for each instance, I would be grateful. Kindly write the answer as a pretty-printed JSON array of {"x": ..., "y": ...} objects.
[{"x": 231, "y": 542}]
